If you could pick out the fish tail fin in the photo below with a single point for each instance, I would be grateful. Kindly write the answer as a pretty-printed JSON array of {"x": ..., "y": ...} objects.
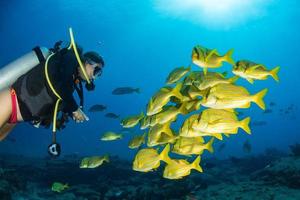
[
  {"x": 164, "y": 154},
  {"x": 196, "y": 164},
  {"x": 228, "y": 57},
  {"x": 258, "y": 98},
  {"x": 244, "y": 124},
  {"x": 233, "y": 79},
  {"x": 209, "y": 146},
  {"x": 218, "y": 136},
  {"x": 176, "y": 91},
  {"x": 274, "y": 73}
]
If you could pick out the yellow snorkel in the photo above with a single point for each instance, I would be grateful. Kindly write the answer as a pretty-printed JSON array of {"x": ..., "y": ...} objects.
[{"x": 77, "y": 55}]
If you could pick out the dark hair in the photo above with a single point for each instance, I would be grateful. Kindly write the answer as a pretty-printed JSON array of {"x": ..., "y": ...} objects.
[{"x": 94, "y": 56}]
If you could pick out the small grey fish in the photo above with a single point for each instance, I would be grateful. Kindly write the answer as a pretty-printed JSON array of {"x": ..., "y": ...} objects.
[
  {"x": 97, "y": 108},
  {"x": 247, "y": 147},
  {"x": 272, "y": 103},
  {"x": 125, "y": 90},
  {"x": 112, "y": 115}
]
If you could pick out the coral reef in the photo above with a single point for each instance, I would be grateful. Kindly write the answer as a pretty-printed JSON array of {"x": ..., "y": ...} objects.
[
  {"x": 264, "y": 176},
  {"x": 295, "y": 149}
]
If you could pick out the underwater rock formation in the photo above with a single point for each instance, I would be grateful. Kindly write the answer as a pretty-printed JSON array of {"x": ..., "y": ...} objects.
[
  {"x": 285, "y": 171},
  {"x": 31, "y": 178},
  {"x": 295, "y": 149}
]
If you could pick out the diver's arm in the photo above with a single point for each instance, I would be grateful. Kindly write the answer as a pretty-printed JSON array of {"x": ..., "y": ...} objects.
[{"x": 69, "y": 104}]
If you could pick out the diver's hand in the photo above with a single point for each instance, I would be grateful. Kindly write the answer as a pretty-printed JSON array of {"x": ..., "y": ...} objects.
[{"x": 79, "y": 116}]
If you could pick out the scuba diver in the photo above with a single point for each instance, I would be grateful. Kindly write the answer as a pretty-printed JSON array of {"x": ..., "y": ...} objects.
[{"x": 46, "y": 88}]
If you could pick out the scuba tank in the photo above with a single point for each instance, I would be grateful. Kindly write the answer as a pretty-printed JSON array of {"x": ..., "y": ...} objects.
[{"x": 12, "y": 71}]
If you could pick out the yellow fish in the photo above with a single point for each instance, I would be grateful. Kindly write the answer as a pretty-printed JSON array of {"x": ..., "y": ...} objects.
[
  {"x": 220, "y": 121},
  {"x": 211, "y": 79},
  {"x": 177, "y": 74},
  {"x": 148, "y": 159},
  {"x": 165, "y": 138},
  {"x": 168, "y": 114},
  {"x": 207, "y": 58},
  {"x": 59, "y": 187},
  {"x": 159, "y": 130},
  {"x": 145, "y": 122},
  {"x": 137, "y": 141},
  {"x": 189, "y": 146},
  {"x": 192, "y": 93},
  {"x": 193, "y": 105},
  {"x": 252, "y": 71},
  {"x": 187, "y": 129},
  {"x": 132, "y": 121},
  {"x": 228, "y": 96},
  {"x": 178, "y": 169},
  {"x": 193, "y": 77},
  {"x": 149, "y": 121},
  {"x": 93, "y": 161},
  {"x": 110, "y": 136},
  {"x": 185, "y": 96},
  {"x": 161, "y": 98}
]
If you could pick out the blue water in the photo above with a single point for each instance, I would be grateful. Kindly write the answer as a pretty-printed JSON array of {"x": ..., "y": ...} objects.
[{"x": 141, "y": 43}]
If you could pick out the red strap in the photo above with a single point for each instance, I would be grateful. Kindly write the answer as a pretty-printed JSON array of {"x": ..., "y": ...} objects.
[{"x": 13, "y": 118}]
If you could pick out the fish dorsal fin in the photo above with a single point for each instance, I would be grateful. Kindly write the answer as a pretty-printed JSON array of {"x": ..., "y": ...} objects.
[{"x": 214, "y": 51}]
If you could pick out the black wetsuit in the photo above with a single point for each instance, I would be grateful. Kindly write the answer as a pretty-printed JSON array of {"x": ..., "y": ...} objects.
[{"x": 36, "y": 99}]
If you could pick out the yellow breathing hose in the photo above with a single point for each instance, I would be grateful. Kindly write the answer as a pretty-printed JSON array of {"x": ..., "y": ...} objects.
[
  {"x": 55, "y": 93},
  {"x": 59, "y": 99},
  {"x": 77, "y": 55}
]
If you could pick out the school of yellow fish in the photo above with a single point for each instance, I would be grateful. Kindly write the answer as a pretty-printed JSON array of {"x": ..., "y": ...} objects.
[{"x": 207, "y": 100}]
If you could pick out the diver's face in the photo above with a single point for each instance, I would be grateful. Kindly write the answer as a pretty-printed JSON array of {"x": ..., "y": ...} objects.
[{"x": 90, "y": 69}]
